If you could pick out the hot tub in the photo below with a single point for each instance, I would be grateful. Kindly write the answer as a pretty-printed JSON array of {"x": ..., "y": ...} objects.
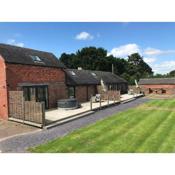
[{"x": 71, "y": 103}]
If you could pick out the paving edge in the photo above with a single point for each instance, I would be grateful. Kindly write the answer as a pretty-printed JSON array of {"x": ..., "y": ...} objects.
[{"x": 68, "y": 120}]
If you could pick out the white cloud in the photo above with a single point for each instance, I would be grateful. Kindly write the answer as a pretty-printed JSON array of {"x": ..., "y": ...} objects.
[
  {"x": 150, "y": 56},
  {"x": 153, "y": 51},
  {"x": 84, "y": 36},
  {"x": 164, "y": 67},
  {"x": 13, "y": 42},
  {"x": 149, "y": 60},
  {"x": 125, "y": 50}
]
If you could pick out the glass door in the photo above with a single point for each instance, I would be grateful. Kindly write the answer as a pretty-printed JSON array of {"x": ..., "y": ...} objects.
[{"x": 42, "y": 95}]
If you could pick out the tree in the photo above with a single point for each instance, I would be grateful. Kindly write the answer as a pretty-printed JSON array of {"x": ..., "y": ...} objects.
[
  {"x": 137, "y": 68},
  {"x": 68, "y": 60},
  {"x": 91, "y": 57},
  {"x": 172, "y": 73}
]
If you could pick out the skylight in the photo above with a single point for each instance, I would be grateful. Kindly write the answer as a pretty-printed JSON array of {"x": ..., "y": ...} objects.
[
  {"x": 72, "y": 72},
  {"x": 93, "y": 74},
  {"x": 36, "y": 58}
]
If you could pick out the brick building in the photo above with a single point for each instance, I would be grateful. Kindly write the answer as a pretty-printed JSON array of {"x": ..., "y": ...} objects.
[
  {"x": 158, "y": 85},
  {"x": 42, "y": 77},
  {"x": 39, "y": 74},
  {"x": 84, "y": 83}
]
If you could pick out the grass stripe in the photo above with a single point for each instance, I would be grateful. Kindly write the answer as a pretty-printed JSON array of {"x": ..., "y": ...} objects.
[
  {"x": 153, "y": 142},
  {"x": 135, "y": 137},
  {"x": 168, "y": 145},
  {"x": 107, "y": 137}
]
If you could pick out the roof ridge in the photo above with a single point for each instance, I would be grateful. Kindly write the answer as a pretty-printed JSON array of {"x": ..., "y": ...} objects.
[
  {"x": 22, "y": 55},
  {"x": 24, "y": 48},
  {"x": 91, "y": 70}
]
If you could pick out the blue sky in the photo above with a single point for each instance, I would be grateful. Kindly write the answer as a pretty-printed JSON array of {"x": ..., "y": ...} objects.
[{"x": 154, "y": 41}]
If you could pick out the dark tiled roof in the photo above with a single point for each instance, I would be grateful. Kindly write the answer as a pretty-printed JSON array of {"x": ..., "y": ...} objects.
[
  {"x": 20, "y": 55},
  {"x": 89, "y": 77},
  {"x": 157, "y": 81}
]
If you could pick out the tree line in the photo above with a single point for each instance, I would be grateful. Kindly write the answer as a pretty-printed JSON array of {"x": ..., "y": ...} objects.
[
  {"x": 168, "y": 75},
  {"x": 91, "y": 58}
]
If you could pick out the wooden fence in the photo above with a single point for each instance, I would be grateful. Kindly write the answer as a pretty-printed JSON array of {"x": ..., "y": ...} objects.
[
  {"x": 29, "y": 112},
  {"x": 112, "y": 95}
]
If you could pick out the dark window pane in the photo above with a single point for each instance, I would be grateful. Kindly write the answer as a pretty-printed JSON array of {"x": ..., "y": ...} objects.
[
  {"x": 26, "y": 94},
  {"x": 71, "y": 92}
]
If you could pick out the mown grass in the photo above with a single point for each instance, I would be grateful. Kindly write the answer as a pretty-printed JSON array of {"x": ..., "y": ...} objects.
[{"x": 136, "y": 130}]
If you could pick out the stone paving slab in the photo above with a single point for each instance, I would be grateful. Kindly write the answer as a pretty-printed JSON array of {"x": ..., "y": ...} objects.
[
  {"x": 9, "y": 129},
  {"x": 19, "y": 144}
]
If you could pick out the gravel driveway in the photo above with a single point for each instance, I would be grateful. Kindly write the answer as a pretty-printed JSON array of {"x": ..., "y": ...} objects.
[{"x": 19, "y": 144}]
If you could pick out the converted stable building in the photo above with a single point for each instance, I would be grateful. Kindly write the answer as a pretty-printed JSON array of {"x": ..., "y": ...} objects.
[
  {"x": 82, "y": 84},
  {"x": 158, "y": 85},
  {"x": 39, "y": 74}
]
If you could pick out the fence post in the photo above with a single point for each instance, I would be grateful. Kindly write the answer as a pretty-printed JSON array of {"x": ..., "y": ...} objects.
[
  {"x": 119, "y": 96},
  {"x": 114, "y": 98},
  {"x": 91, "y": 103},
  {"x": 100, "y": 101},
  {"x": 108, "y": 99},
  {"x": 23, "y": 106},
  {"x": 43, "y": 115}
]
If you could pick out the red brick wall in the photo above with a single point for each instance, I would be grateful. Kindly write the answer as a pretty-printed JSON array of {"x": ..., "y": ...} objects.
[
  {"x": 3, "y": 91},
  {"x": 169, "y": 89},
  {"x": 54, "y": 77}
]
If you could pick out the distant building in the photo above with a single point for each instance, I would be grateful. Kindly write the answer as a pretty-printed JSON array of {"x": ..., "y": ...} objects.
[
  {"x": 158, "y": 85},
  {"x": 84, "y": 83}
]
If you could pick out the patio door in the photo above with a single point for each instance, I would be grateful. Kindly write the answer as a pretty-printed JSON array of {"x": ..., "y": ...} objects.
[
  {"x": 42, "y": 95},
  {"x": 36, "y": 93}
]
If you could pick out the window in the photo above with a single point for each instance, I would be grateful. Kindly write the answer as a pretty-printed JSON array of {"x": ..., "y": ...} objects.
[
  {"x": 36, "y": 58},
  {"x": 26, "y": 94},
  {"x": 71, "y": 92}
]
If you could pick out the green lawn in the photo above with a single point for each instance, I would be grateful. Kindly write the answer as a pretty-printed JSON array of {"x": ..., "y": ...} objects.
[{"x": 148, "y": 128}]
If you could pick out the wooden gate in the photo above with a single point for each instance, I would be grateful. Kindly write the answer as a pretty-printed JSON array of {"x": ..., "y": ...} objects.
[{"x": 28, "y": 112}]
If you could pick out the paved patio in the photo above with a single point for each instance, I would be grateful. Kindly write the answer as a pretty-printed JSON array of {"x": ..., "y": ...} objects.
[{"x": 60, "y": 114}]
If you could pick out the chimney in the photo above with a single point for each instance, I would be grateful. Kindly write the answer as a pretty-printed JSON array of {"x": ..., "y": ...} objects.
[
  {"x": 80, "y": 68},
  {"x": 112, "y": 68}
]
